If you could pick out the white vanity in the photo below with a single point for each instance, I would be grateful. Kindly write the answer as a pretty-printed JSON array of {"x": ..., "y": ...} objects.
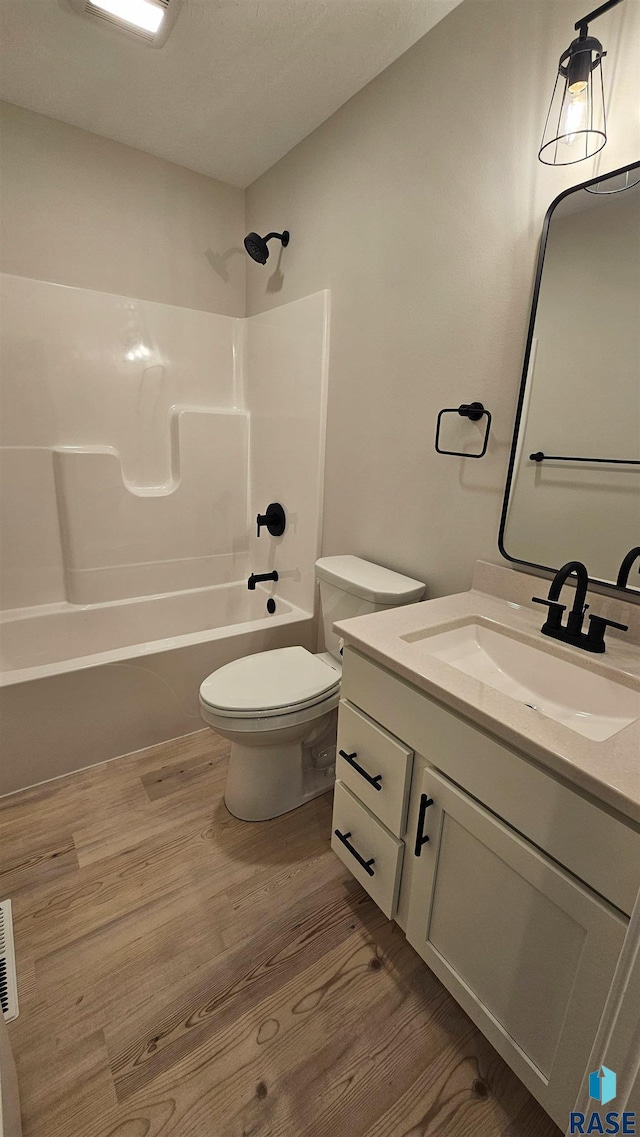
[{"x": 488, "y": 799}]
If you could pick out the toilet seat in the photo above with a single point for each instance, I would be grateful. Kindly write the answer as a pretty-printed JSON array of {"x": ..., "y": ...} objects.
[
  {"x": 268, "y": 726},
  {"x": 270, "y": 684}
]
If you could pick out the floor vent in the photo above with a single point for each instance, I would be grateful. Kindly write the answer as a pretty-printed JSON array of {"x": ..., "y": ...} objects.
[{"x": 8, "y": 984}]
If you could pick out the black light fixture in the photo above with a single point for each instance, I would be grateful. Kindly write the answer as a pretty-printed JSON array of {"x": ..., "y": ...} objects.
[{"x": 576, "y": 126}]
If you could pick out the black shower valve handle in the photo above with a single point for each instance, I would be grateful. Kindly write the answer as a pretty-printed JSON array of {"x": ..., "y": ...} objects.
[{"x": 274, "y": 520}]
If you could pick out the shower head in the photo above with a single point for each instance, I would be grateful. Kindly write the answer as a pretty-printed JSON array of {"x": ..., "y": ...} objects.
[{"x": 257, "y": 248}]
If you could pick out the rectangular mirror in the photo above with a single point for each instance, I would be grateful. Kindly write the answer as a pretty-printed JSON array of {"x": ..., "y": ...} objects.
[{"x": 573, "y": 486}]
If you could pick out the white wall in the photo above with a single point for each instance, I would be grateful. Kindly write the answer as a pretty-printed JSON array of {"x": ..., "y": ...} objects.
[
  {"x": 286, "y": 370},
  {"x": 128, "y": 381},
  {"x": 420, "y": 205},
  {"x": 110, "y": 488},
  {"x": 82, "y": 210},
  {"x": 122, "y": 289},
  {"x": 126, "y": 435}
]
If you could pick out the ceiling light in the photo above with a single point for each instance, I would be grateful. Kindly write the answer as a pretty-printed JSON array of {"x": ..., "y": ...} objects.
[
  {"x": 141, "y": 13},
  {"x": 576, "y": 126},
  {"x": 147, "y": 20}
]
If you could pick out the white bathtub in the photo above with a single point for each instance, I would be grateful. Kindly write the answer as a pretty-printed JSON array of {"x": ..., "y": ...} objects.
[{"x": 79, "y": 685}]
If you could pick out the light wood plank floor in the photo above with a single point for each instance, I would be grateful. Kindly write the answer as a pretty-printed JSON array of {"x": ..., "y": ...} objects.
[{"x": 184, "y": 974}]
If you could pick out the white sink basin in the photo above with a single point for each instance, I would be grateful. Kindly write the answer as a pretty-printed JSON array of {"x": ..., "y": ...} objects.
[{"x": 571, "y": 694}]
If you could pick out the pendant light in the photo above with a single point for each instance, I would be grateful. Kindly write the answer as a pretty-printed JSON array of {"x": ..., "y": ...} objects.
[{"x": 576, "y": 125}]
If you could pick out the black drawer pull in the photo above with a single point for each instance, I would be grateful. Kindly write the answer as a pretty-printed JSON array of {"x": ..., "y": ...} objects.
[
  {"x": 350, "y": 758},
  {"x": 344, "y": 837},
  {"x": 421, "y": 836}
]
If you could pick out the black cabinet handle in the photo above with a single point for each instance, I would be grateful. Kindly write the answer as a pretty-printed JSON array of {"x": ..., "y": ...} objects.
[
  {"x": 351, "y": 759},
  {"x": 344, "y": 837},
  {"x": 421, "y": 836}
]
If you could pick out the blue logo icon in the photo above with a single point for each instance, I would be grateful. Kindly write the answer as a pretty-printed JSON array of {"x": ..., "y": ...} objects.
[
  {"x": 602, "y": 1085},
  {"x": 602, "y": 1088}
]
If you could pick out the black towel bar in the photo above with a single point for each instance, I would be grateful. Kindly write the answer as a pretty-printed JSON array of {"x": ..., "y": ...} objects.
[{"x": 539, "y": 456}]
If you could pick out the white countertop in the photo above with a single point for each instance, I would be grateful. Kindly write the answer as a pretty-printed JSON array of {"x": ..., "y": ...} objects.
[{"x": 608, "y": 770}]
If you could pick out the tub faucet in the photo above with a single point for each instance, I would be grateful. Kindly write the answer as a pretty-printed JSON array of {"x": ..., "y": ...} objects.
[
  {"x": 274, "y": 520},
  {"x": 255, "y": 578},
  {"x": 572, "y": 633},
  {"x": 625, "y": 567}
]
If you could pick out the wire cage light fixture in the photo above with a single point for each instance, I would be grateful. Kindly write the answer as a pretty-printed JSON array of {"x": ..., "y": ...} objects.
[{"x": 576, "y": 123}]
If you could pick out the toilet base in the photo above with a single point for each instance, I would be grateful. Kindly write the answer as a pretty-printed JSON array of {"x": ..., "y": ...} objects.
[
  {"x": 245, "y": 807},
  {"x": 266, "y": 781}
]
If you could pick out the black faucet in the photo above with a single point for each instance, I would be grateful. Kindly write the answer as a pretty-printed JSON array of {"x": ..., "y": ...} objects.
[
  {"x": 255, "y": 578},
  {"x": 576, "y": 615},
  {"x": 572, "y": 633},
  {"x": 625, "y": 567},
  {"x": 274, "y": 519}
]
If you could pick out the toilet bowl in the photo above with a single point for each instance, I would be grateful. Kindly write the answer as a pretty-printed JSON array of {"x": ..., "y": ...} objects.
[{"x": 279, "y": 708}]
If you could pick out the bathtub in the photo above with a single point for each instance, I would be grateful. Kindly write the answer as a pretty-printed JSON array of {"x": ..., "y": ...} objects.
[{"x": 82, "y": 684}]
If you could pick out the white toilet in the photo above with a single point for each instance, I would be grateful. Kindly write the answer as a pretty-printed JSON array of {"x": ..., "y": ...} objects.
[{"x": 279, "y": 708}]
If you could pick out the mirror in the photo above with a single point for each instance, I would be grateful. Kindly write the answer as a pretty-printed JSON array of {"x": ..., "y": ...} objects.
[{"x": 573, "y": 487}]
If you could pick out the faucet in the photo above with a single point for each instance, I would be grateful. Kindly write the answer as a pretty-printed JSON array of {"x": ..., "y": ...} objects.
[
  {"x": 572, "y": 633},
  {"x": 576, "y": 614},
  {"x": 255, "y": 578},
  {"x": 625, "y": 567},
  {"x": 274, "y": 519}
]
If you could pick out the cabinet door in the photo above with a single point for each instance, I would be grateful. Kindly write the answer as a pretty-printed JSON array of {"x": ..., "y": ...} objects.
[{"x": 527, "y": 950}]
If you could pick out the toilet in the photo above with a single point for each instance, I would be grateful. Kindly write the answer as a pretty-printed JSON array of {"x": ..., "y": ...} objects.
[{"x": 279, "y": 708}]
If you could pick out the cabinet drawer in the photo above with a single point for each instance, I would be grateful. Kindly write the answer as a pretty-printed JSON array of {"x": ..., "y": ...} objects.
[
  {"x": 375, "y": 767},
  {"x": 373, "y": 855}
]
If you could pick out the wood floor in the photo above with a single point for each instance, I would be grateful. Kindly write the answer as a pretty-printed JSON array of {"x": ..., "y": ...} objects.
[{"x": 185, "y": 974}]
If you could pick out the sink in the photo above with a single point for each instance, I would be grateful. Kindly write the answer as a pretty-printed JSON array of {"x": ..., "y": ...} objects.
[{"x": 573, "y": 695}]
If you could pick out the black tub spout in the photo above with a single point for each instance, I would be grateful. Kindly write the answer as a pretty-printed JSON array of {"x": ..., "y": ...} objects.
[{"x": 256, "y": 578}]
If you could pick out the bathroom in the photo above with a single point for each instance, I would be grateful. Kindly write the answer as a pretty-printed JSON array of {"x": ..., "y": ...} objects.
[{"x": 191, "y": 949}]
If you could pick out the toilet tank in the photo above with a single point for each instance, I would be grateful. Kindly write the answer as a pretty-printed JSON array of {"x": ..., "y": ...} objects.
[{"x": 350, "y": 586}]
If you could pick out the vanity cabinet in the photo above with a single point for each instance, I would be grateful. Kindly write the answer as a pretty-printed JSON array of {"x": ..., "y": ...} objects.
[{"x": 488, "y": 864}]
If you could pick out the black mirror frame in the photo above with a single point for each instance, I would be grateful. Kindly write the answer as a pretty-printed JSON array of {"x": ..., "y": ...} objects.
[{"x": 525, "y": 369}]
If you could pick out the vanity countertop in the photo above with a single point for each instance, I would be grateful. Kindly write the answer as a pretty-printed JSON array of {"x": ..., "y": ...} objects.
[{"x": 608, "y": 770}]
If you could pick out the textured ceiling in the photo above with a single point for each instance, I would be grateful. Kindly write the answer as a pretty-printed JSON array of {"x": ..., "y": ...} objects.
[{"x": 238, "y": 83}]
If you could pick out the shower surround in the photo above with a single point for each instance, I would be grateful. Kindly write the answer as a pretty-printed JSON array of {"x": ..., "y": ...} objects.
[{"x": 138, "y": 442}]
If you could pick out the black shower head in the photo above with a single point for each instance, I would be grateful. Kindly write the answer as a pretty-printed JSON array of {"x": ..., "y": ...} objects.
[{"x": 257, "y": 247}]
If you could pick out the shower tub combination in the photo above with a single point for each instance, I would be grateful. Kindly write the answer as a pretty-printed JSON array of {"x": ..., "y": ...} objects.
[
  {"x": 80, "y": 685},
  {"x": 151, "y": 437}
]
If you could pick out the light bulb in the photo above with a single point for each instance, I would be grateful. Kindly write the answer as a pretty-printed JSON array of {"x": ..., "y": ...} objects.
[{"x": 574, "y": 115}]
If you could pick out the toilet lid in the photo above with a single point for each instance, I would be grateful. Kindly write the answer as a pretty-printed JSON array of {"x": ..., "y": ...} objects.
[{"x": 272, "y": 680}]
